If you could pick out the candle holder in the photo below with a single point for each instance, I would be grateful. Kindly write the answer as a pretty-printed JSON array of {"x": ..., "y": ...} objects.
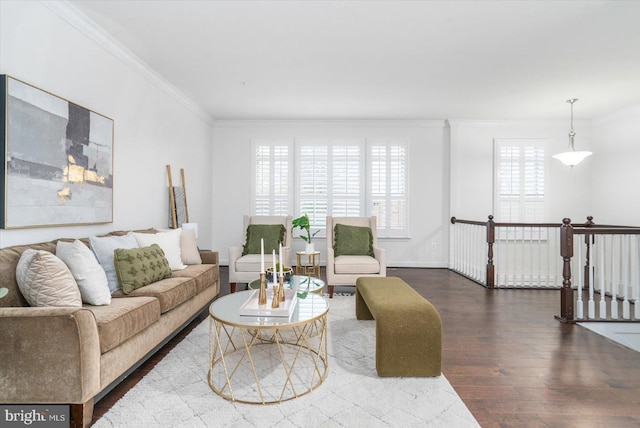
[
  {"x": 281, "y": 290},
  {"x": 275, "y": 302},
  {"x": 262, "y": 297}
]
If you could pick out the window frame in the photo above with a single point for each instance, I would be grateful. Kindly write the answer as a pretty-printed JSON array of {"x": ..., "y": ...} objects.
[
  {"x": 521, "y": 143},
  {"x": 365, "y": 179},
  {"x": 271, "y": 143}
]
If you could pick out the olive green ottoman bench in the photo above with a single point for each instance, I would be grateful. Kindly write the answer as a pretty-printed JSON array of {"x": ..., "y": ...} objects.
[{"x": 408, "y": 327}]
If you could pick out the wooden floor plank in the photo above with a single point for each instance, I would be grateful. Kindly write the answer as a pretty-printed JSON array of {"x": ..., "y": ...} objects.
[{"x": 510, "y": 361}]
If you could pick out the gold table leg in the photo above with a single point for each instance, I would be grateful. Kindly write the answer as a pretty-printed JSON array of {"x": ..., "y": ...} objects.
[{"x": 237, "y": 355}]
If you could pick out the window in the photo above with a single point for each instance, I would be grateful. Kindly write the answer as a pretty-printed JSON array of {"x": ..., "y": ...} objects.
[
  {"x": 329, "y": 180},
  {"x": 333, "y": 177},
  {"x": 388, "y": 182},
  {"x": 272, "y": 178},
  {"x": 520, "y": 181}
]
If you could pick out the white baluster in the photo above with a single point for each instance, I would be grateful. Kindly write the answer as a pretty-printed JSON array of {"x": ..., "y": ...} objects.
[
  {"x": 603, "y": 288},
  {"x": 614, "y": 279},
  {"x": 636, "y": 285},
  {"x": 592, "y": 303},
  {"x": 625, "y": 278},
  {"x": 579, "y": 303}
]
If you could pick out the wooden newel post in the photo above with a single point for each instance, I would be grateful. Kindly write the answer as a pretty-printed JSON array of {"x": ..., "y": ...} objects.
[
  {"x": 566, "y": 251},
  {"x": 491, "y": 238}
]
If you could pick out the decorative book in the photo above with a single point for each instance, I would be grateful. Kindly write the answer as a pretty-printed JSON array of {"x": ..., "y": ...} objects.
[{"x": 252, "y": 308}]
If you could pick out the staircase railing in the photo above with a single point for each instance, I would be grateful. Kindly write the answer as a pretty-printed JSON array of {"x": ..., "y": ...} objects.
[
  {"x": 507, "y": 255},
  {"x": 606, "y": 286},
  {"x": 604, "y": 258}
]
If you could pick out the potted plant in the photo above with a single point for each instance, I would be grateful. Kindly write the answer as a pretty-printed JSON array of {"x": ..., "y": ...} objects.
[{"x": 304, "y": 224}]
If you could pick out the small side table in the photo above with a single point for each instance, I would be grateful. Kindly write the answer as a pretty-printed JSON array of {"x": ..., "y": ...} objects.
[{"x": 310, "y": 266}]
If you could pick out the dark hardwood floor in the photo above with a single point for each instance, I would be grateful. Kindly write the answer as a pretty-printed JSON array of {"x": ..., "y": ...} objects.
[{"x": 510, "y": 361}]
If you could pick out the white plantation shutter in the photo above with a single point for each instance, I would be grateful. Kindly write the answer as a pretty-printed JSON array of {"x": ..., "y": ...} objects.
[
  {"x": 388, "y": 187},
  {"x": 272, "y": 178},
  {"x": 330, "y": 179},
  {"x": 520, "y": 181},
  {"x": 337, "y": 178}
]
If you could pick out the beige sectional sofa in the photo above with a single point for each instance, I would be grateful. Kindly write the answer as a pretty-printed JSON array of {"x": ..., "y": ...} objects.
[{"x": 75, "y": 355}]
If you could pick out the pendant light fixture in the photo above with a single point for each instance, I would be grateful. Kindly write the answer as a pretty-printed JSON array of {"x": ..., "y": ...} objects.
[{"x": 572, "y": 157}]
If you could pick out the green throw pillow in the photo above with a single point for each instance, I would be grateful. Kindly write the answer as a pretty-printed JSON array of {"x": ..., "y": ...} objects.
[
  {"x": 352, "y": 241},
  {"x": 273, "y": 235},
  {"x": 137, "y": 267}
]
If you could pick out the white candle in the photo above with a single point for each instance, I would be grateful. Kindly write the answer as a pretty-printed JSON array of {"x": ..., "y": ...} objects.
[
  {"x": 281, "y": 260},
  {"x": 274, "y": 266},
  {"x": 262, "y": 255}
]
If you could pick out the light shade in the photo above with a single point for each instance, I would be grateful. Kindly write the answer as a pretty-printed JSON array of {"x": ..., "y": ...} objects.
[{"x": 572, "y": 157}]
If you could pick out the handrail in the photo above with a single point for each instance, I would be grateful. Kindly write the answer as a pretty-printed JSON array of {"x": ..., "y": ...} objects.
[
  {"x": 476, "y": 223},
  {"x": 528, "y": 258}
]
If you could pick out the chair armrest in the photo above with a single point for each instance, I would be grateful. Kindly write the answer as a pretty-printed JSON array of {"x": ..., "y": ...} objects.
[
  {"x": 209, "y": 257},
  {"x": 48, "y": 355},
  {"x": 330, "y": 260},
  {"x": 234, "y": 254},
  {"x": 381, "y": 256}
]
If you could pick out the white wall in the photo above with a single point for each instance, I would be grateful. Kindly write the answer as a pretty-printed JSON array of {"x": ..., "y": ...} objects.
[
  {"x": 472, "y": 167},
  {"x": 616, "y": 168},
  {"x": 428, "y": 180},
  {"x": 51, "y": 48}
]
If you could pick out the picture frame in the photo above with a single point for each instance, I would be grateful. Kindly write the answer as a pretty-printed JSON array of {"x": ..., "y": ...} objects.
[{"x": 57, "y": 168}]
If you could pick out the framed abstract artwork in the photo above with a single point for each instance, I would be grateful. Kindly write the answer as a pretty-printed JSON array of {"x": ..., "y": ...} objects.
[{"x": 58, "y": 160}]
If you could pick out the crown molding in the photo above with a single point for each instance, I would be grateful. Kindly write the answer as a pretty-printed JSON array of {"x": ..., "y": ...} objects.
[
  {"x": 309, "y": 123},
  {"x": 74, "y": 17}
]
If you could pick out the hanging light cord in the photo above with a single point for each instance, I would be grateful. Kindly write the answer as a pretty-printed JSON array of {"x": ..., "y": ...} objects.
[{"x": 572, "y": 133}]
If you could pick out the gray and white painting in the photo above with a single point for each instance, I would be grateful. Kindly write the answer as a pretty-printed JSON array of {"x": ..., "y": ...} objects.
[{"x": 59, "y": 160}]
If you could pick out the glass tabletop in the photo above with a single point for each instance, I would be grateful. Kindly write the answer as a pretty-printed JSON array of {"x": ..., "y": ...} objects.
[
  {"x": 227, "y": 311},
  {"x": 298, "y": 282}
]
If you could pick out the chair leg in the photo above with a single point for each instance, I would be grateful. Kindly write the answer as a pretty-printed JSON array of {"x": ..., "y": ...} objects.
[
  {"x": 331, "y": 291},
  {"x": 232, "y": 287}
]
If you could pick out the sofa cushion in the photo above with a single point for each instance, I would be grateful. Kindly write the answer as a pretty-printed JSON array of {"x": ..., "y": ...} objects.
[
  {"x": 273, "y": 235},
  {"x": 124, "y": 318},
  {"x": 103, "y": 248},
  {"x": 137, "y": 267},
  {"x": 9, "y": 257},
  {"x": 169, "y": 241},
  {"x": 356, "y": 264},
  {"x": 352, "y": 240},
  {"x": 44, "y": 280},
  {"x": 189, "y": 248},
  {"x": 89, "y": 275},
  {"x": 203, "y": 275},
  {"x": 169, "y": 292}
]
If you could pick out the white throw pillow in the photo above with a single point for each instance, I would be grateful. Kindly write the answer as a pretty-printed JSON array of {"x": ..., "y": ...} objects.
[
  {"x": 189, "y": 248},
  {"x": 169, "y": 242},
  {"x": 89, "y": 275},
  {"x": 104, "y": 247},
  {"x": 44, "y": 280}
]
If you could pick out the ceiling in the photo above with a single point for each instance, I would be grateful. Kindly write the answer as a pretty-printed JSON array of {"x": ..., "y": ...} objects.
[{"x": 386, "y": 59}]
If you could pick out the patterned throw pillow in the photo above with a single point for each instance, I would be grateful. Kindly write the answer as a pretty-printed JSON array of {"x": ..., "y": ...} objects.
[
  {"x": 138, "y": 267},
  {"x": 352, "y": 241},
  {"x": 273, "y": 235},
  {"x": 44, "y": 280}
]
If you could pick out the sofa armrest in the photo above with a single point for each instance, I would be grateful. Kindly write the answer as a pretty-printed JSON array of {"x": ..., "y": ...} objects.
[
  {"x": 209, "y": 257},
  {"x": 48, "y": 355}
]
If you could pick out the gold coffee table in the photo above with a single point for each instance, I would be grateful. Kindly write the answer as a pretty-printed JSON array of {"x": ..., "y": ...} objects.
[{"x": 266, "y": 360}]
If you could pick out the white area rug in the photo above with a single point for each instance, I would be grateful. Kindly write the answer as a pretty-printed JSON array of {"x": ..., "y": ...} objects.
[
  {"x": 176, "y": 392},
  {"x": 626, "y": 334}
]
